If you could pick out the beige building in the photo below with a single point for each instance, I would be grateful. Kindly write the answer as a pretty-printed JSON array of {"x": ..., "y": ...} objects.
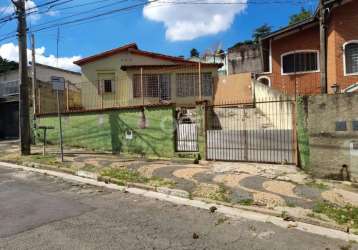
[{"x": 127, "y": 76}]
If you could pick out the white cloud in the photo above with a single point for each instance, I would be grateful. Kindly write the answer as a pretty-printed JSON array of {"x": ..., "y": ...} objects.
[
  {"x": 10, "y": 51},
  {"x": 189, "y": 21},
  {"x": 31, "y": 7}
]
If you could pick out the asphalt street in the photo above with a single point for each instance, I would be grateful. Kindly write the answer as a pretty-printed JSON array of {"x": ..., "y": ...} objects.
[{"x": 43, "y": 212}]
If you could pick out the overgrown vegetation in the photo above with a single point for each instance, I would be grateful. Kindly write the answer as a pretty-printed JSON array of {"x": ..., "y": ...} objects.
[
  {"x": 6, "y": 65},
  {"x": 125, "y": 175},
  {"x": 299, "y": 17},
  {"x": 347, "y": 215}
]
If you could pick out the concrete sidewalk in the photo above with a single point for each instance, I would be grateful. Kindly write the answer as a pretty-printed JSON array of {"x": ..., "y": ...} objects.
[{"x": 281, "y": 188}]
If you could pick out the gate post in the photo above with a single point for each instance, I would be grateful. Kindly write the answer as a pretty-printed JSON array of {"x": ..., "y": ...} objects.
[
  {"x": 201, "y": 110},
  {"x": 294, "y": 132}
]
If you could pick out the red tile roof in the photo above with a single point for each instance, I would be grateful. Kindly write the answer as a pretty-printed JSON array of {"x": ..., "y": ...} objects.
[
  {"x": 105, "y": 54},
  {"x": 132, "y": 48}
]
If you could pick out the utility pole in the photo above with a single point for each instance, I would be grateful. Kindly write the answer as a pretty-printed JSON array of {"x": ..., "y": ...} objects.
[
  {"x": 23, "y": 77},
  {"x": 323, "y": 46},
  {"x": 33, "y": 75},
  {"x": 34, "y": 102}
]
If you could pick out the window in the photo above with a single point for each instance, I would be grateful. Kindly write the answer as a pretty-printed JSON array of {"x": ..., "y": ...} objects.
[
  {"x": 351, "y": 58},
  {"x": 107, "y": 86},
  {"x": 265, "y": 80},
  {"x": 106, "y": 83},
  {"x": 299, "y": 62},
  {"x": 355, "y": 125},
  {"x": 341, "y": 126},
  {"x": 188, "y": 84},
  {"x": 154, "y": 85},
  {"x": 9, "y": 88}
]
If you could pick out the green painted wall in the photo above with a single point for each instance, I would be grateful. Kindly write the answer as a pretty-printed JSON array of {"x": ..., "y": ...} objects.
[{"x": 107, "y": 131}]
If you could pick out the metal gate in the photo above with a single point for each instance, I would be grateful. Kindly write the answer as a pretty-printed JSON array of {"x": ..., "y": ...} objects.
[
  {"x": 9, "y": 121},
  {"x": 186, "y": 131},
  {"x": 259, "y": 132}
]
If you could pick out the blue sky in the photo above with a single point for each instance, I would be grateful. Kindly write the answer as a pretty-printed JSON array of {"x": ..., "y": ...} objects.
[{"x": 116, "y": 30}]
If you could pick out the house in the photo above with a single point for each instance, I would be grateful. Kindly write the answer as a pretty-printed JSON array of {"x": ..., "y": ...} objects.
[
  {"x": 292, "y": 59},
  {"x": 128, "y": 76},
  {"x": 244, "y": 58},
  {"x": 45, "y": 96},
  {"x": 219, "y": 58}
]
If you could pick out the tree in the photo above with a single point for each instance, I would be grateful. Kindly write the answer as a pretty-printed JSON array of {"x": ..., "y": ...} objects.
[
  {"x": 6, "y": 65},
  {"x": 260, "y": 32},
  {"x": 302, "y": 15},
  {"x": 194, "y": 52}
]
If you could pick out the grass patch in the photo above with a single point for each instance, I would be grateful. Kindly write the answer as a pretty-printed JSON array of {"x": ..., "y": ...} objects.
[
  {"x": 290, "y": 204},
  {"x": 221, "y": 194},
  {"x": 246, "y": 202},
  {"x": 318, "y": 185},
  {"x": 346, "y": 215},
  {"x": 89, "y": 168},
  {"x": 126, "y": 175}
]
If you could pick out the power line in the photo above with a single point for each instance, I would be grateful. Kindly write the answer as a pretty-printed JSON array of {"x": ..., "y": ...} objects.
[{"x": 127, "y": 8}]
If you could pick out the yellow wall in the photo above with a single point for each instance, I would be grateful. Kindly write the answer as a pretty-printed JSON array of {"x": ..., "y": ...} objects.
[{"x": 123, "y": 95}]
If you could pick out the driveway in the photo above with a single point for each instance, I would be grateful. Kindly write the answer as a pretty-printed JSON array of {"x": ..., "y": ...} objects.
[{"x": 43, "y": 212}]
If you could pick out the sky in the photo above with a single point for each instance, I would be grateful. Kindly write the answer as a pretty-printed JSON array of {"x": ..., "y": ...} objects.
[{"x": 162, "y": 26}]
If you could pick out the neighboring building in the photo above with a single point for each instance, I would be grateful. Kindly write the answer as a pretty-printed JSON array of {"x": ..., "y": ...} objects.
[
  {"x": 292, "y": 63},
  {"x": 217, "y": 59},
  {"x": 244, "y": 58},
  {"x": 46, "y": 98},
  {"x": 116, "y": 78}
]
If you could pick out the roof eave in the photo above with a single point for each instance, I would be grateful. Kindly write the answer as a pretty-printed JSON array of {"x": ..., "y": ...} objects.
[{"x": 292, "y": 27}]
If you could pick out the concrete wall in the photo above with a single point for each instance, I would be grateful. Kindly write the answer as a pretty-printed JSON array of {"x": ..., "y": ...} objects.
[
  {"x": 274, "y": 105},
  {"x": 244, "y": 59},
  {"x": 233, "y": 88},
  {"x": 329, "y": 149}
]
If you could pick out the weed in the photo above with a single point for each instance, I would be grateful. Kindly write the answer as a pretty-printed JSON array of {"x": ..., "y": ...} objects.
[
  {"x": 221, "y": 194},
  {"x": 246, "y": 202},
  {"x": 124, "y": 175},
  {"x": 290, "y": 204},
  {"x": 318, "y": 185},
  {"x": 342, "y": 215},
  {"x": 89, "y": 168}
]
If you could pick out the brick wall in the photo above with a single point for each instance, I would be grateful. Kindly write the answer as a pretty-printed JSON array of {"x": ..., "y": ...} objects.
[
  {"x": 329, "y": 149},
  {"x": 343, "y": 27},
  {"x": 305, "y": 83}
]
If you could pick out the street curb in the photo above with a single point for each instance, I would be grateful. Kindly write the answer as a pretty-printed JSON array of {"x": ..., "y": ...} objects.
[{"x": 229, "y": 211}]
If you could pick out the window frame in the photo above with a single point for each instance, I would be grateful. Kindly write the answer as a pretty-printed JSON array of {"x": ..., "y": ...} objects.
[
  {"x": 101, "y": 78},
  {"x": 301, "y": 51},
  {"x": 270, "y": 59},
  {"x": 104, "y": 86},
  {"x": 265, "y": 77},
  {"x": 195, "y": 85},
  {"x": 344, "y": 58},
  {"x": 160, "y": 77}
]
